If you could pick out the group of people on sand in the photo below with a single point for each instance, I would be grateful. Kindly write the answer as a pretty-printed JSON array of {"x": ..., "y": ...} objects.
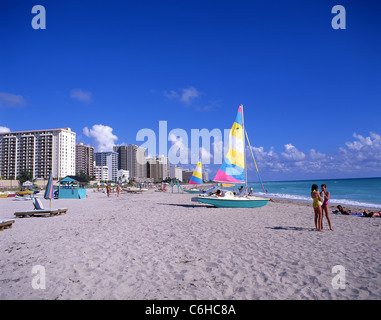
[
  {"x": 320, "y": 205},
  {"x": 364, "y": 213},
  {"x": 108, "y": 190}
]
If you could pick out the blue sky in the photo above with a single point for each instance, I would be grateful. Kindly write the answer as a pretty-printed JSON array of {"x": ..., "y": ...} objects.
[{"x": 106, "y": 69}]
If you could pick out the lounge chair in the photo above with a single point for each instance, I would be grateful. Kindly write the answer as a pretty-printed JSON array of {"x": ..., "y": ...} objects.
[
  {"x": 4, "y": 224},
  {"x": 39, "y": 210},
  {"x": 39, "y": 206}
]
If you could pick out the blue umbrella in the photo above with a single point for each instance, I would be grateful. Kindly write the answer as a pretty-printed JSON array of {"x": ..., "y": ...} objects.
[{"x": 49, "y": 192}]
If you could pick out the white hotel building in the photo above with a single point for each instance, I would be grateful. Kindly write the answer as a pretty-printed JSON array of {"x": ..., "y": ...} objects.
[{"x": 39, "y": 151}]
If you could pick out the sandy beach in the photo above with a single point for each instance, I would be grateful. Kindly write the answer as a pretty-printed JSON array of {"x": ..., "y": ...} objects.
[{"x": 159, "y": 245}]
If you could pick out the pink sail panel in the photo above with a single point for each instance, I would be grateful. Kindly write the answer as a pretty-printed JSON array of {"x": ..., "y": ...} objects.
[{"x": 222, "y": 176}]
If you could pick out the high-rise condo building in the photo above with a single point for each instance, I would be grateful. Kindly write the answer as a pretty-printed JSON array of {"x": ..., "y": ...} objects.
[
  {"x": 186, "y": 175},
  {"x": 101, "y": 173},
  {"x": 158, "y": 168},
  {"x": 132, "y": 158},
  {"x": 84, "y": 159},
  {"x": 176, "y": 172},
  {"x": 109, "y": 159},
  {"x": 39, "y": 151}
]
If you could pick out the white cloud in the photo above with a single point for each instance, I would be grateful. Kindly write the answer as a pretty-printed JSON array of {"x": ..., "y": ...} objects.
[
  {"x": 11, "y": 100},
  {"x": 178, "y": 152},
  {"x": 81, "y": 95},
  {"x": 368, "y": 145},
  {"x": 364, "y": 152},
  {"x": 171, "y": 94},
  {"x": 103, "y": 136},
  {"x": 206, "y": 156},
  {"x": 185, "y": 95},
  {"x": 361, "y": 155},
  {"x": 291, "y": 153},
  {"x": 188, "y": 94},
  {"x": 4, "y": 129},
  {"x": 316, "y": 155}
]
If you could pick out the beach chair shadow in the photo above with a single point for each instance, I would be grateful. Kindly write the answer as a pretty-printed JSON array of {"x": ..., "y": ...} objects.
[
  {"x": 291, "y": 228},
  {"x": 186, "y": 205},
  {"x": 39, "y": 210}
]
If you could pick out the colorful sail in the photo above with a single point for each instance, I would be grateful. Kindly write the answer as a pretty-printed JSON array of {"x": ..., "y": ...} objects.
[
  {"x": 197, "y": 174},
  {"x": 233, "y": 167}
]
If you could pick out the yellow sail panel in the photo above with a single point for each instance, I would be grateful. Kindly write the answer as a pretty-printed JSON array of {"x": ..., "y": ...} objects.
[
  {"x": 197, "y": 174},
  {"x": 236, "y": 158},
  {"x": 237, "y": 131}
]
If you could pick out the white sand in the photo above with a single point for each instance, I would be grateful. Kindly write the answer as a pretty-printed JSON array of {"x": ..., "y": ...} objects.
[{"x": 163, "y": 246}]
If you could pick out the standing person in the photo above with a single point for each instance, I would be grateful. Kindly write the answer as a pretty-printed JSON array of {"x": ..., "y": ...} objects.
[
  {"x": 117, "y": 190},
  {"x": 316, "y": 204},
  {"x": 325, "y": 196},
  {"x": 108, "y": 189}
]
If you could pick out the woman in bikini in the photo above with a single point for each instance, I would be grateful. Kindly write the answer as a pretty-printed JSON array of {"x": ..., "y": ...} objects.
[
  {"x": 316, "y": 204},
  {"x": 324, "y": 206}
]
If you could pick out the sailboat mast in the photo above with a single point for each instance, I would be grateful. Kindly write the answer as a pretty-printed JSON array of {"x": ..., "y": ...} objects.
[{"x": 244, "y": 146}]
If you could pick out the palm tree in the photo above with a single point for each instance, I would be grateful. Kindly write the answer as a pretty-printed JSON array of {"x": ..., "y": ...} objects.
[{"x": 25, "y": 175}]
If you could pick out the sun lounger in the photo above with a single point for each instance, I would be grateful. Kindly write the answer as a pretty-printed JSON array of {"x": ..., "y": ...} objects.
[
  {"x": 39, "y": 206},
  {"x": 5, "y": 224},
  {"x": 39, "y": 210},
  {"x": 37, "y": 213}
]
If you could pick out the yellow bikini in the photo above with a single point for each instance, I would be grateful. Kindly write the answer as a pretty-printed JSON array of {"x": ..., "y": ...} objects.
[{"x": 316, "y": 202}]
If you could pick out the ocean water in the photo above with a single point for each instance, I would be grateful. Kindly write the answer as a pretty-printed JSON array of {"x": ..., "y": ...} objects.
[{"x": 363, "y": 192}]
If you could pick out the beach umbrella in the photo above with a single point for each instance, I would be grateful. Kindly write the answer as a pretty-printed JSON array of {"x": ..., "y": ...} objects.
[{"x": 49, "y": 192}]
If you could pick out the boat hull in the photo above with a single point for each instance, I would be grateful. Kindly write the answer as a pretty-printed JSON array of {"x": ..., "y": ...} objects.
[
  {"x": 234, "y": 202},
  {"x": 192, "y": 191},
  {"x": 22, "y": 193},
  {"x": 7, "y": 195}
]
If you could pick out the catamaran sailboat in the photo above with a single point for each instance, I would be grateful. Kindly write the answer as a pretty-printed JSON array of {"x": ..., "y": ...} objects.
[
  {"x": 196, "y": 178},
  {"x": 233, "y": 170}
]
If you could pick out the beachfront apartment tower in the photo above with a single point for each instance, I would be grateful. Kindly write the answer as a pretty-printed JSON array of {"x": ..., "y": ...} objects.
[
  {"x": 101, "y": 173},
  {"x": 165, "y": 162},
  {"x": 187, "y": 175},
  {"x": 39, "y": 151},
  {"x": 154, "y": 169},
  {"x": 109, "y": 159},
  {"x": 123, "y": 175},
  {"x": 176, "y": 172},
  {"x": 84, "y": 159},
  {"x": 132, "y": 158},
  {"x": 157, "y": 168}
]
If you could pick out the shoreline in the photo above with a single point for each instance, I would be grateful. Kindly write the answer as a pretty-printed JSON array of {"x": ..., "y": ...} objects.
[{"x": 332, "y": 207}]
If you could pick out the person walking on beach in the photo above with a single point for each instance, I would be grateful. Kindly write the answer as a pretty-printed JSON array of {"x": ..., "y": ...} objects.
[
  {"x": 108, "y": 189},
  {"x": 316, "y": 204},
  {"x": 325, "y": 197},
  {"x": 117, "y": 190}
]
